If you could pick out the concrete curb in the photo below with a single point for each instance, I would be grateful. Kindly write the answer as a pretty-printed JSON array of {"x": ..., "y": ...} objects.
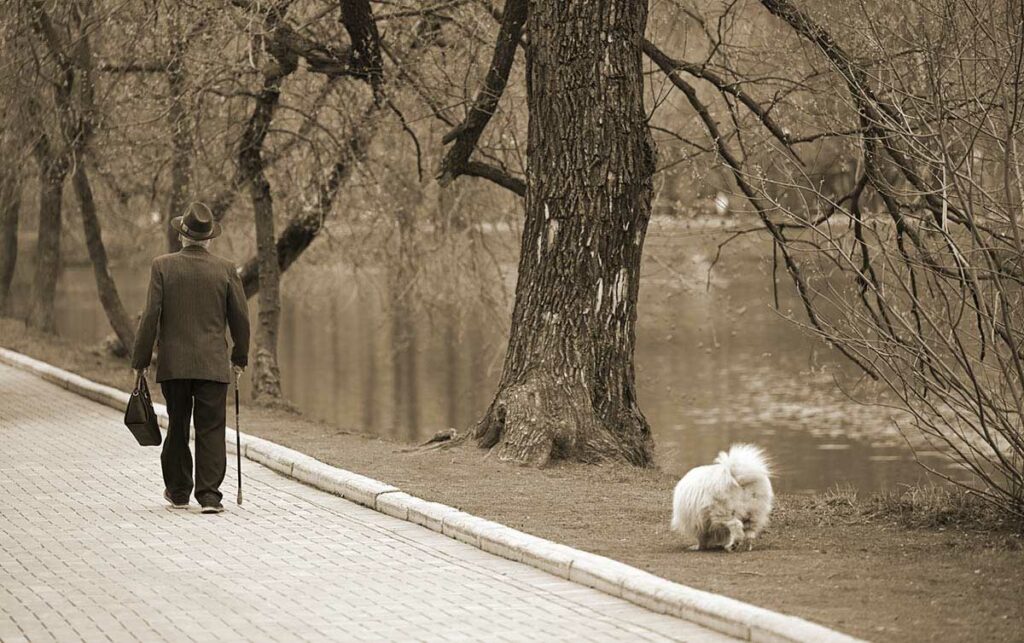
[{"x": 719, "y": 613}]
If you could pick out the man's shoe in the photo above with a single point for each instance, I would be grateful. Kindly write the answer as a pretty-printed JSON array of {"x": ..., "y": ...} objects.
[
  {"x": 213, "y": 509},
  {"x": 174, "y": 503}
]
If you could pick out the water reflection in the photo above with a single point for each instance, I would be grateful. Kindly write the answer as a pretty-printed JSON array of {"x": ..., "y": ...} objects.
[{"x": 363, "y": 349}]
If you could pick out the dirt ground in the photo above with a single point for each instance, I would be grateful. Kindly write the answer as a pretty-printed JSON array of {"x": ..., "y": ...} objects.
[{"x": 826, "y": 558}]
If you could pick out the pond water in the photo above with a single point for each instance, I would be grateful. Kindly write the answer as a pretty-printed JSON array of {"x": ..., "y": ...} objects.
[{"x": 715, "y": 363}]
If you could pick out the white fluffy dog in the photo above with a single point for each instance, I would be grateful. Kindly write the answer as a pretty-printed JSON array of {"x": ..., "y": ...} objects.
[{"x": 725, "y": 504}]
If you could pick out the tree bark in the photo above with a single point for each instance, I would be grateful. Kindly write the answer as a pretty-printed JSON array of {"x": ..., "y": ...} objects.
[
  {"x": 357, "y": 18},
  {"x": 105, "y": 285},
  {"x": 266, "y": 377},
  {"x": 53, "y": 169},
  {"x": 181, "y": 136},
  {"x": 567, "y": 389},
  {"x": 44, "y": 284},
  {"x": 10, "y": 208}
]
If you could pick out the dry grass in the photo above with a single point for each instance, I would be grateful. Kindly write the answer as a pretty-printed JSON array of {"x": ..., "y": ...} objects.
[
  {"x": 940, "y": 507},
  {"x": 913, "y": 507}
]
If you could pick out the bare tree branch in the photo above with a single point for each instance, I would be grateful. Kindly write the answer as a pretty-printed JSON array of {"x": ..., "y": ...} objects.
[
  {"x": 495, "y": 175},
  {"x": 357, "y": 17},
  {"x": 670, "y": 65},
  {"x": 467, "y": 133}
]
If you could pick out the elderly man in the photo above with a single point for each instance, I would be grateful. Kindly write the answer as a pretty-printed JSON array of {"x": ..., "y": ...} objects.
[{"x": 194, "y": 298}]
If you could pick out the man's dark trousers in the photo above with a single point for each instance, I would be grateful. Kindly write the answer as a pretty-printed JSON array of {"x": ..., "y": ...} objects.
[{"x": 204, "y": 402}]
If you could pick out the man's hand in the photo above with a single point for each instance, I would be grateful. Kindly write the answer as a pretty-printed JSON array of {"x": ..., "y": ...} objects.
[
  {"x": 238, "y": 371},
  {"x": 140, "y": 373}
]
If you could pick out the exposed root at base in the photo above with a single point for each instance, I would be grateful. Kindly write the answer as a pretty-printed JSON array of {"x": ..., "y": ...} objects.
[{"x": 544, "y": 419}]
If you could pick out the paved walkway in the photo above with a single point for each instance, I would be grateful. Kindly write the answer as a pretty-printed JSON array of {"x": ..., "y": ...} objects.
[{"x": 89, "y": 550}]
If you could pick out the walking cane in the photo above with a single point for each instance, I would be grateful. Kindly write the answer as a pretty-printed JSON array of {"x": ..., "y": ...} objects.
[{"x": 238, "y": 444}]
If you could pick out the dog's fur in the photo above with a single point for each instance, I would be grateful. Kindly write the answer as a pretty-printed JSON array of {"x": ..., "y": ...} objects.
[{"x": 725, "y": 504}]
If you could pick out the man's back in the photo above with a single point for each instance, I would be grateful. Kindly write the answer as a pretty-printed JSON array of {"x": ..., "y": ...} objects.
[{"x": 194, "y": 298}]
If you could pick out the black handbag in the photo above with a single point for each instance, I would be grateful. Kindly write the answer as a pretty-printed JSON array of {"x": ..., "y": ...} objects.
[{"x": 140, "y": 418}]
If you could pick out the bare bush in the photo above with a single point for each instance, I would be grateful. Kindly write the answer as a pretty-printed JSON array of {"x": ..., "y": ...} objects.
[{"x": 913, "y": 266}]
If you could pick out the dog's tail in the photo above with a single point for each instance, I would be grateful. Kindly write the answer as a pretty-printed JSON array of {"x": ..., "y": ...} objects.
[{"x": 745, "y": 462}]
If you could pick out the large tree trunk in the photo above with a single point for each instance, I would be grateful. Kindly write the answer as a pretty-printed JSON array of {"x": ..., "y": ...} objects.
[
  {"x": 567, "y": 390},
  {"x": 10, "y": 208},
  {"x": 105, "y": 285},
  {"x": 181, "y": 136},
  {"x": 44, "y": 284},
  {"x": 266, "y": 377}
]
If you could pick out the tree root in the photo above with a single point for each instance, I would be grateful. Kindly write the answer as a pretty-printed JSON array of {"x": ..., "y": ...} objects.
[{"x": 545, "y": 419}]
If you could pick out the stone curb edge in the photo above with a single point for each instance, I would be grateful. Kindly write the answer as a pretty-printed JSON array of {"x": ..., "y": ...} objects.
[{"x": 716, "y": 612}]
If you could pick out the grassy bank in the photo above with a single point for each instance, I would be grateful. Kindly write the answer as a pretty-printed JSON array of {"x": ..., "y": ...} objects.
[{"x": 914, "y": 564}]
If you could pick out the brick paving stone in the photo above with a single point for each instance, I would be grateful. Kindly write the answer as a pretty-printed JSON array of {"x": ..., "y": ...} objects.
[{"x": 89, "y": 550}]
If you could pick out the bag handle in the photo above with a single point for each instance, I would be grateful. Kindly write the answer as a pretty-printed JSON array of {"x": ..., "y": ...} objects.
[{"x": 141, "y": 385}]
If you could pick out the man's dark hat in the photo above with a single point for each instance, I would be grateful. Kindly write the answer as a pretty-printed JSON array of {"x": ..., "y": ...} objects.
[{"x": 197, "y": 223}]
